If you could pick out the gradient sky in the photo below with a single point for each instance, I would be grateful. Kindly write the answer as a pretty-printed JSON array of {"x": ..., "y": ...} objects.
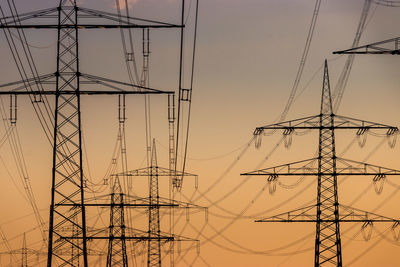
[{"x": 247, "y": 56}]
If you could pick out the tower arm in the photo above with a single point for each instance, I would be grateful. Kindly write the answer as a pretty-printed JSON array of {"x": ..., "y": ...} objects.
[
  {"x": 111, "y": 20},
  {"x": 344, "y": 167},
  {"x": 313, "y": 122},
  {"x": 161, "y": 172},
  {"x": 109, "y": 86},
  {"x": 388, "y": 47},
  {"x": 346, "y": 214}
]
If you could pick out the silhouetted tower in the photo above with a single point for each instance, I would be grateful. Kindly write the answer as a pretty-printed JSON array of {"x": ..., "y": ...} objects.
[
  {"x": 327, "y": 241},
  {"x": 326, "y": 213},
  {"x": 116, "y": 254},
  {"x": 154, "y": 203},
  {"x": 67, "y": 184},
  {"x": 154, "y": 242},
  {"x": 24, "y": 253},
  {"x": 67, "y": 209}
]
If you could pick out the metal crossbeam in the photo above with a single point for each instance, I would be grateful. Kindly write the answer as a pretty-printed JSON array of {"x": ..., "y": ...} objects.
[
  {"x": 344, "y": 167},
  {"x": 346, "y": 214},
  {"x": 386, "y": 47}
]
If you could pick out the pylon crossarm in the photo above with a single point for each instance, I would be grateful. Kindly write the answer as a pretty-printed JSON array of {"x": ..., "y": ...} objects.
[
  {"x": 342, "y": 122},
  {"x": 390, "y": 47},
  {"x": 160, "y": 172},
  {"x": 311, "y": 122},
  {"x": 122, "y": 19},
  {"x": 352, "y": 167},
  {"x": 23, "y": 84},
  {"x": 44, "y": 13},
  {"x": 180, "y": 204},
  {"x": 306, "y": 214},
  {"x": 344, "y": 167},
  {"x": 351, "y": 214},
  {"x": 118, "y": 85},
  {"x": 111, "y": 86},
  {"x": 180, "y": 238},
  {"x": 117, "y": 21},
  {"x": 346, "y": 214},
  {"x": 304, "y": 167},
  {"x": 129, "y": 201}
]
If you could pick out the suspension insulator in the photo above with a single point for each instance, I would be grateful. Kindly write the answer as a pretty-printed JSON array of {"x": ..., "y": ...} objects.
[
  {"x": 187, "y": 214},
  {"x": 257, "y": 138},
  {"x": 272, "y": 180},
  {"x": 392, "y": 137},
  {"x": 287, "y": 136},
  {"x": 13, "y": 108},
  {"x": 362, "y": 136},
  {"x": 379, "y": 181},
  {"x": 396, "y": 231},
  {"x": 366, "y": 230},
  {"x": 198, "y": 247}
]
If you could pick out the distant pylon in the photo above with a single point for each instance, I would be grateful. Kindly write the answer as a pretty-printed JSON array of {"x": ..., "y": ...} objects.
[
  {"x": 24, "y": 253},
  {"x": 326, "y": 213},
  {"x": 154, "y": 241},
  {"x": 155, "y": 237},
  {"x": 116, "y": 254}
]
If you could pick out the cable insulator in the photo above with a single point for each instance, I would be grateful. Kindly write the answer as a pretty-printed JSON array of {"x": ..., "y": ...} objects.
[
  {"x": 379, "y": 181},
  {"x": 366, "y": 230},
  {"x": 287, "y": 140},
  {"x": 198, "y": 247},
  {"x": 272, "y": 179},
  {"x": 362, "y": 136},
  {"x": 392, "y": 137},
  {"x": 258, "y": 138},
  {"x": 187, "y": 214},
  {"x": 396, "y": 231}
]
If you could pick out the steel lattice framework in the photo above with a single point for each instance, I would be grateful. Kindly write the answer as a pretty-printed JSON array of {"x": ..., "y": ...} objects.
[
  {"x": 326, "y": 213},
  {"x": 154, "y": 242},
  {"x": 67, "y": 210},
  {"x": 116, "y": 253},
  {"x": 388, "y": 47},
  {"x": 155, "y": 202}
]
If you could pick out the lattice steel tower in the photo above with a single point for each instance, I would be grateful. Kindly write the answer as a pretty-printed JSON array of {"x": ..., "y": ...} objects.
[
  {"x": 67, "y": 209},
  {"x": 154, "y": 203},
  {"x": 116, "y": 254},
  {"x": 326, "y": 213}
]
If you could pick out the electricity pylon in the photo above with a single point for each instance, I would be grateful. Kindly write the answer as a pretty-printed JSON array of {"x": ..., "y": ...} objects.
[
  {"x": 155, "y": 202},
  {"x": 327, "y": 213},
  {"x": 390, "y": 47},
  {"x": 116, "y": 254},
  {"x": 67, "y": 210}
]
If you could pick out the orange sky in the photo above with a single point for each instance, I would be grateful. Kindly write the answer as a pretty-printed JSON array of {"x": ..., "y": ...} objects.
[{"x": 247, "y": 57}]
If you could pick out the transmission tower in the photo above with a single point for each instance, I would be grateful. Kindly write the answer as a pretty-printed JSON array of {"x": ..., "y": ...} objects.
[
  {"x": 24, "y": 253},
  {"x": 155, "y": 236},
  {"x": 67, "y": 208},
  {"x": 327, "y": 213},
  {"x": 116, "y": 255}
]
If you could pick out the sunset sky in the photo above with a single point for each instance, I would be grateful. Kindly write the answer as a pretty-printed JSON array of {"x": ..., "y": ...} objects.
[{"x": 248, "y": 53}]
